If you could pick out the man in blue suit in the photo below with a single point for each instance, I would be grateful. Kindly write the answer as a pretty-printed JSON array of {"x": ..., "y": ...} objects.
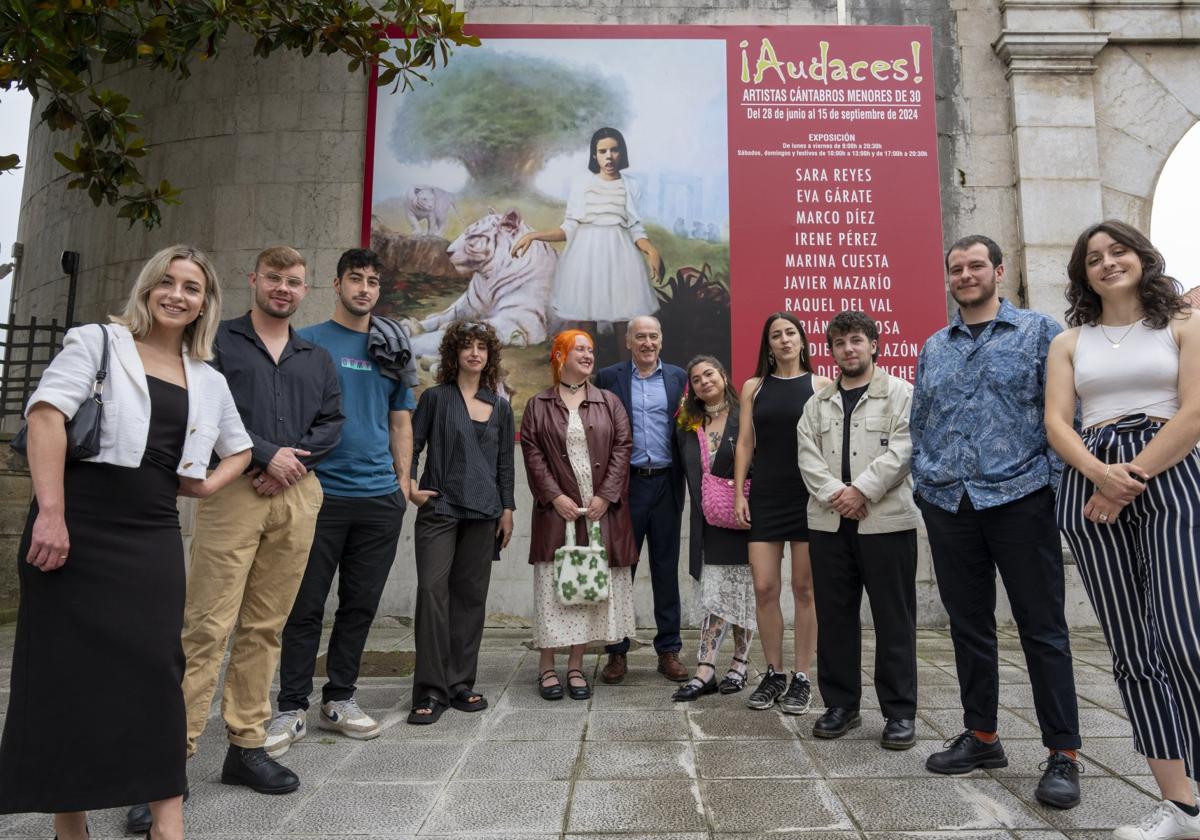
[{"x": 650, "y": 392}]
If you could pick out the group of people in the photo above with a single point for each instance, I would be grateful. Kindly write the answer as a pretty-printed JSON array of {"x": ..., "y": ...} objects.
[{"x": 303, "y": 448}]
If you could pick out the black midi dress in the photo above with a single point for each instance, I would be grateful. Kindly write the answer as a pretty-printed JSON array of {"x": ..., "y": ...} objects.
[
  {"x": 96, "y": 716},
  {"x": 778, "y": 496}
]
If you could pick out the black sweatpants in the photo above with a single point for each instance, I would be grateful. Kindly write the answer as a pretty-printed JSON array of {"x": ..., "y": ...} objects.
[
  {"x": 844, "y": 563},
  {"x": 355, "y": 537}
]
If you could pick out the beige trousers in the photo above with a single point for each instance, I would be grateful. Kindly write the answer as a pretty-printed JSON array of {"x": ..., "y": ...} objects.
[{"x": 248, "y": 558}]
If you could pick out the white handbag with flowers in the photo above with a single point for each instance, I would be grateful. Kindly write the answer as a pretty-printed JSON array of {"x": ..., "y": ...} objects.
[{"x": 581, "y": 571}]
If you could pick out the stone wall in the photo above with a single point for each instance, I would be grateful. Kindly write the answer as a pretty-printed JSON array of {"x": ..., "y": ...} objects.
[{"x": 15, "y": 492}]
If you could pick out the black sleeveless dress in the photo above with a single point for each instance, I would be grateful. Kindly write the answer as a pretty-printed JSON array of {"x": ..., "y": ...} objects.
[
  {"x": 96, "y": 716},
  {"x": 778, "y": 497}
]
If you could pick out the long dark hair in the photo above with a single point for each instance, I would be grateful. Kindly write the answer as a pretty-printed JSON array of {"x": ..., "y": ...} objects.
[
  {"x": 691, "y": 408},
  {"x": 455, "y": 339},
  {"x": 607, "y": 134},
  {"x": 766, "y": 360},
  {"x": 1157, "y": 291}
]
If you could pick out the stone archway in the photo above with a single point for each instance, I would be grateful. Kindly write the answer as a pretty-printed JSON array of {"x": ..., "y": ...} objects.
[{"x": 1101, "y": 94}]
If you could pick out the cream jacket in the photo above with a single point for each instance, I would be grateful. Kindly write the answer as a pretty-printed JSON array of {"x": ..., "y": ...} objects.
[
  {"x": 880, "y": 455},
  {"x": 213, "y": 420}
]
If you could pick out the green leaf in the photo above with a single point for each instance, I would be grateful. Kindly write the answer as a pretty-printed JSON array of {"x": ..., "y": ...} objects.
[{"x": 9, "y": 162}]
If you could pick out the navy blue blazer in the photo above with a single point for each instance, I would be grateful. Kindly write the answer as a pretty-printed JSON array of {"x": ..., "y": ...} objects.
[{"x": 618, "y": 378}]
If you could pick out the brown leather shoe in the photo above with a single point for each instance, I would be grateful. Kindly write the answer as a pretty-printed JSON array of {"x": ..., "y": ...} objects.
[
  {"x": 614, "y": 670},
  {"x": 671, "y": 668}
]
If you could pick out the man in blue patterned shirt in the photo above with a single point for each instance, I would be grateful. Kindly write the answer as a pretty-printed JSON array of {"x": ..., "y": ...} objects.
[{"x": 985, "y": 477}]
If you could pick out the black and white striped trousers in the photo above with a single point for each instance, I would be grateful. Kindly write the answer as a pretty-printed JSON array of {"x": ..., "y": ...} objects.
[{"x": 1142, "y": 574}]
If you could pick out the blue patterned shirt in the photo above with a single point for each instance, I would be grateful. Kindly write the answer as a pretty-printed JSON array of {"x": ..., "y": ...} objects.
[{"x": 977, "y": 412}]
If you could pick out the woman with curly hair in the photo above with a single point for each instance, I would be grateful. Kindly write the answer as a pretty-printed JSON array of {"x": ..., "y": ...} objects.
[
  {"x": 464, "y": 516},
  {"x": 576, "y": 442},
  {"x": 719, "y": 558},
  {"x": 1128, "y": 501}
]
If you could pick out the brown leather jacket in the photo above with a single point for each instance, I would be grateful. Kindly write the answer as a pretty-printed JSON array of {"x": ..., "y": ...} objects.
[{"x": 544, "y": 447}]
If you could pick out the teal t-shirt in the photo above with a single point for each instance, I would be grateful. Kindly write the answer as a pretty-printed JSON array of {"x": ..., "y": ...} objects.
[{"x": 361, "y": 465}]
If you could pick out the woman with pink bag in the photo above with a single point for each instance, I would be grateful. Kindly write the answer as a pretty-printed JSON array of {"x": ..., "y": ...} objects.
[{"x": 718, "y": 556}]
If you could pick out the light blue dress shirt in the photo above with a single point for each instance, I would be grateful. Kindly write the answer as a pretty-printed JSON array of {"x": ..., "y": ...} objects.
[{"x": 651, "y": 419}]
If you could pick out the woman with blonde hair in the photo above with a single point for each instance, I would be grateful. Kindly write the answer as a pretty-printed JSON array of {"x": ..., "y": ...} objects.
[
  {"x": 576, "y": 442},
  {"x": 101, "y": 560}
]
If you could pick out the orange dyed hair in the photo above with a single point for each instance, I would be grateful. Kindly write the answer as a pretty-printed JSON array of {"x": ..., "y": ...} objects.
[{"x": 564, "y": 342}]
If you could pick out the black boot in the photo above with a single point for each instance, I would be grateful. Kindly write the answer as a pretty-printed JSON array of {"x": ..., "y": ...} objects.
[
  {"x": 1060, "y": 783},
  {"x": 138, "y": 819},
  {"x": 256, "y": 770}
]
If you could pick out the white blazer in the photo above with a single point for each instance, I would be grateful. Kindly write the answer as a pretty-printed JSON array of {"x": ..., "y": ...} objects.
[{"x": 213, "y": 421}]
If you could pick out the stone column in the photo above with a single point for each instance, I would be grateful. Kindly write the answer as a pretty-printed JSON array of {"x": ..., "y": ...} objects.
[{"x": 1057, "y": 159}]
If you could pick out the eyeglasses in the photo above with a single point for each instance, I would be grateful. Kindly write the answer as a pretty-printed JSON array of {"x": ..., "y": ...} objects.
[{"x": 274, "y": 280}]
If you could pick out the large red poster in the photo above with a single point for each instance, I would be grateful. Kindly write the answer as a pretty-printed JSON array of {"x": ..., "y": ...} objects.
[
  {"x": 772, "y": 168},
  {"x": 833, "y": 185}
]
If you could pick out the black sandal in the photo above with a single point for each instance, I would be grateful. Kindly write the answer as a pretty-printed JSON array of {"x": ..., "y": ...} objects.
[
  {"x": 435, "y": 707},
  {"x": 463, "y": 702},
  {"x": 735, "y": 683},
  {"x": 695, "y": 687},
  {"x": 550, "y": 692},
  {"x": 578, "y": 692}
]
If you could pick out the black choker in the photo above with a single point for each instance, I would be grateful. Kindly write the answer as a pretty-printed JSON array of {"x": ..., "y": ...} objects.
[{"x": 573, "y": 388}]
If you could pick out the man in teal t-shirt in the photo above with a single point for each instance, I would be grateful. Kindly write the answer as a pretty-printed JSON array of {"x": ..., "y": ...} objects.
[{"x": 365, "y": 480}]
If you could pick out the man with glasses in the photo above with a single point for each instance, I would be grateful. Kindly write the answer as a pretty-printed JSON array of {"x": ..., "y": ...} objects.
[{"x": 251, "y": 541}]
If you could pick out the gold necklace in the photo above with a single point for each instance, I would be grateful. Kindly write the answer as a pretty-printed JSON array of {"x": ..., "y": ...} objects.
[{"x": 1116, "y": 345}]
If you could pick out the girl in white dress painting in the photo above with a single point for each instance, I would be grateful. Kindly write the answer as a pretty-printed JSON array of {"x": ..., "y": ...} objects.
[{"x": 601, "y": 275}]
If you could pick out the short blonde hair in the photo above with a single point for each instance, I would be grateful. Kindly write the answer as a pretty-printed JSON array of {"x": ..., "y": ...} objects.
[
  {"x": 197, "y": 336},
  {"x": 280, "y": 257}
]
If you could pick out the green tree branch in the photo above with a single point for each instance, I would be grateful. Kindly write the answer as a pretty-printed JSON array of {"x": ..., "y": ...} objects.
[{"x": 51, "y": 49}]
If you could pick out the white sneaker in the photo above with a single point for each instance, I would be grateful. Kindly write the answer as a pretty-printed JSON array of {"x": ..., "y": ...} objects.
[
  {"x": 1165, "y": 822},
  {"x": 286, "y": 728},
  {"x": 346, "y": 717}
]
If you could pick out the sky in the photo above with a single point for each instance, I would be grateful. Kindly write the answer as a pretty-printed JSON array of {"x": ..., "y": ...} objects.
[{"x": 1172, "y": 228}]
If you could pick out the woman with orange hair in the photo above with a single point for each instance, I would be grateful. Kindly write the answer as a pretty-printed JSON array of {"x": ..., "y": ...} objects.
[{"x": 576, "y": 441}]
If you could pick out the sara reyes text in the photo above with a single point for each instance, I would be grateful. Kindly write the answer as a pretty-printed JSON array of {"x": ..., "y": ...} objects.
[{"x": 822, "y": 68}]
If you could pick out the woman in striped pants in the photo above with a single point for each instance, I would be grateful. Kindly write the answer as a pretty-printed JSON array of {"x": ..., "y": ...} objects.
[{"x": 1129, "y": 501}]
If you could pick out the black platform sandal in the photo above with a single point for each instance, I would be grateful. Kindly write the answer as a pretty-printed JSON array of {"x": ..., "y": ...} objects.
[
  {"x": 734, "y": 681},
  {"x": 695, "y": 687}
]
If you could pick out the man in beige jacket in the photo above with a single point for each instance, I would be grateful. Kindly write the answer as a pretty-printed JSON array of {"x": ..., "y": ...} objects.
[{"x": 855, "y": 453}]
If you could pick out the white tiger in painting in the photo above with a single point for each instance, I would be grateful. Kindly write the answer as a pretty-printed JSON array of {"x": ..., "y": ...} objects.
[{"x": 510, "y": 293}]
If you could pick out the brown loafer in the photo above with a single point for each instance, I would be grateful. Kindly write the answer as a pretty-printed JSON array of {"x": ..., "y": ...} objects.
[
  {"x": 671, "y": 668},
  {"x": 614, "y": 670}
]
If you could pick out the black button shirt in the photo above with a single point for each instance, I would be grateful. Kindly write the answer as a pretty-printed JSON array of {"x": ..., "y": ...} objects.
[{"x": 296, "y": 403}]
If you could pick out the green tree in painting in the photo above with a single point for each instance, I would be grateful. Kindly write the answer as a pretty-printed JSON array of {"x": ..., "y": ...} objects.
[
  {"x": 502, "y": 116},
  {"x": 57, "y": 51}
]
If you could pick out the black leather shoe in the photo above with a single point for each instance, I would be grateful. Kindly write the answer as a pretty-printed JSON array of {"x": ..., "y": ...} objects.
[
  {"x": 1059, "y": 786},
  {"x": 964, "y": 753},
  {"x": 138, "y": 819},
  {"x": 836, "y": 722},
  {"x": 898, "y": 734},
  {"x": 693, "y": 688},
  {"x": 257, "y": 771}
]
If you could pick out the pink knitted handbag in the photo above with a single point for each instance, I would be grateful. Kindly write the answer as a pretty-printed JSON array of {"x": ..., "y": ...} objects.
[{"x": 716, "y": 493}]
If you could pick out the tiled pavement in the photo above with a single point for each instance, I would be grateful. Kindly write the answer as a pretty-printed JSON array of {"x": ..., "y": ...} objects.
[{"x": 631, "y": 764}]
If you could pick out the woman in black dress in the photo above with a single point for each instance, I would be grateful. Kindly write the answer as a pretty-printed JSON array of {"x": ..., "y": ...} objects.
[
  {"x": 772, "y": 402},
  {"x": 101, "y": 561},
  {"x": 718, "y": 557}
]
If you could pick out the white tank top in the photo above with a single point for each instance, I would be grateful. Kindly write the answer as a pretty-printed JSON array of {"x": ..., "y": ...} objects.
[{"x": 1141, "y": 376}]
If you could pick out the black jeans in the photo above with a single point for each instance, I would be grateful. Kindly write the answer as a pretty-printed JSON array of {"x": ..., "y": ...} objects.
[
  {"x": 1021, "y": 540},
  {"x": 355, "y": 537},
  {"x": 656, "y": 517},
  {"x": 844, "y": 563}
]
